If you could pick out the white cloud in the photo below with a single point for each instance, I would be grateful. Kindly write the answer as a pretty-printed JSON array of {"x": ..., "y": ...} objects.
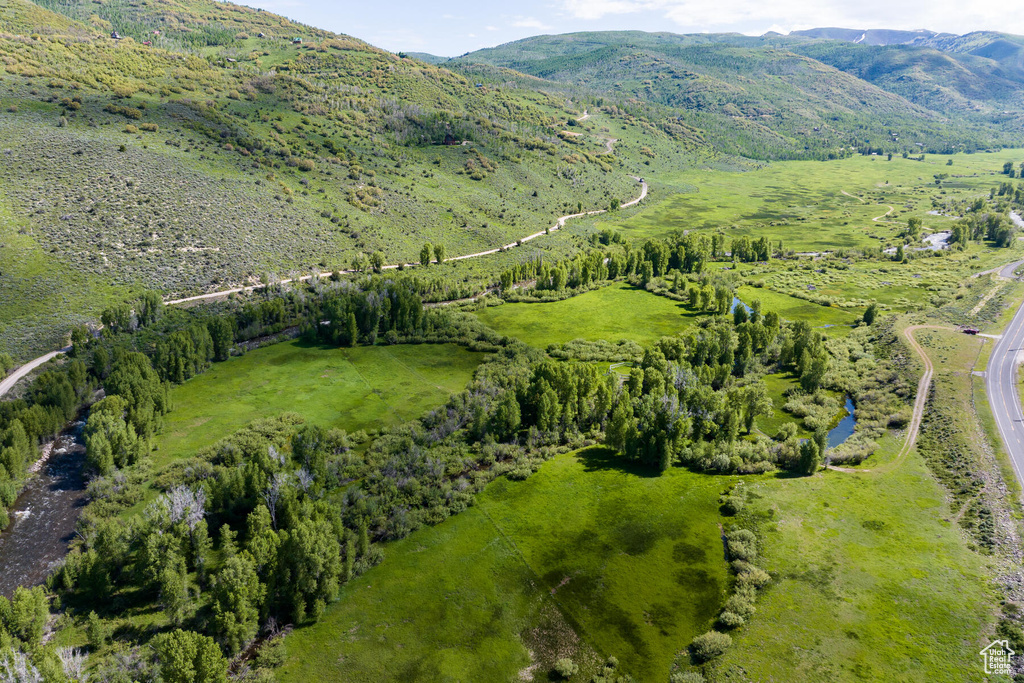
[
  {"x": 530, "y": 22},
  {"x": 597, "y": 9},
  {"x": 490, "y": 28}
]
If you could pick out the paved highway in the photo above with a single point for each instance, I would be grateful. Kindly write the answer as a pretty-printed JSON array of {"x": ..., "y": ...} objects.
[{"x": 1001, "y": 384}]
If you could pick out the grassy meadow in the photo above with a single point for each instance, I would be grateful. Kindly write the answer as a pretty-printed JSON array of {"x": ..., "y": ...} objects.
[
  {"x": 875, "y": 572},
  {"x": 633, "y": 568},
  {"x": 358, "y": 388},
  {"x": 619, "y": 311}
]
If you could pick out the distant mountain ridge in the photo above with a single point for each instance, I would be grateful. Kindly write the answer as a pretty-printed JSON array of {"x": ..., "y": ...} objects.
[
  {"x": 1003, "y": 48},
  {"x": 874, "y": 36}
]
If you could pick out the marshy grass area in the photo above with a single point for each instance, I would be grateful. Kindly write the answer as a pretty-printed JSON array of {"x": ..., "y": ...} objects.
[{"x": 803, "y": 204}]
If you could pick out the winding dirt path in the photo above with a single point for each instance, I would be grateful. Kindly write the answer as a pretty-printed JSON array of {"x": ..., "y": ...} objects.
[
  {"x": 919, "y": 402},
  {"x": 560, "y": 223},
  {"x": 879, "y": 218}
]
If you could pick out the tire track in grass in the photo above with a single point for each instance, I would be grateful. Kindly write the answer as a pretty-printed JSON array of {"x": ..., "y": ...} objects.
[{"x": 919, "y": 402}]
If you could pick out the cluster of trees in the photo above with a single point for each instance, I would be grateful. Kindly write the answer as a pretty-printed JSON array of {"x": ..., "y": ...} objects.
[
  {"x": 978, "y": 225},
  {"x": 348, "y": 315},
  {"x": 747, "y": 250},
  {"x": 685, "y": 254},
  {"x": 177, "y": 656},
  {"x": 1008, "y": 169},
  {"x": 436, "y": 251},
  {"x": 121, "y": 425},
  {"x": 680, "y": 403}
]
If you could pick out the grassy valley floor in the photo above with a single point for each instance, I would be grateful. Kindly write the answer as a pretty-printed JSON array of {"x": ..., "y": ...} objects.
[
  {"x": 359, "y": 388},
  {"x": 586, "y": 554}
]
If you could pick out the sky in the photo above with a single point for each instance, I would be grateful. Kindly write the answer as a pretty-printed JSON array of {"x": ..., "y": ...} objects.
[{"x": 457, "y": 26}]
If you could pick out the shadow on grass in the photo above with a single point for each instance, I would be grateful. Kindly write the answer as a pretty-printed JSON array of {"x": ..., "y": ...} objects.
[{"x": 602, "y": 458}]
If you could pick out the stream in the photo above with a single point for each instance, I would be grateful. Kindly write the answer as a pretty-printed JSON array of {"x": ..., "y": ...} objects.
[
  {"x": 737, "y": 302},
  {"x": 44, "y": 515},
  {"x": 842, "y": 431}
]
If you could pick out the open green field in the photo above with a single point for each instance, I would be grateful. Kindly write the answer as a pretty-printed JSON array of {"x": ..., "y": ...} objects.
[
  {"x": 871, "y": 583},
  {"x": 633, "y": 568},
  {"x": 358, "y": 388},
  {"x": 619, "y": 311},
  {"x": 804, "y": 205}
]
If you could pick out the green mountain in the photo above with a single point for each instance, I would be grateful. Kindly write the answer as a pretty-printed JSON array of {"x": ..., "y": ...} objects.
[
  {"x": 979, "y": 74},
  {"x": 775, "y": 96},
  {"x": 1003, "y": 48},
  {"x": 213, "y": 144}
]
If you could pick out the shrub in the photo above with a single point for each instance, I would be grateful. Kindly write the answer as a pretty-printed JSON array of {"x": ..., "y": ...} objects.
[
  {"x": 127, "y": 112},
  {"x": 739, "y": 604},
  {"x": 742, "y": 545},
  {"x": 732, "y": 505},
  {"x": 149, "y": 127},
  {"x": 729, "y": 620},
  {"x": 749, "y": 575},
  {"x": 709, "y": 645},
  {"x": 566, "y": 668},
  {"x": 687, "y": 677},
  {"x": 306, "y": 165},
  {"x": 130, "y": 129}
]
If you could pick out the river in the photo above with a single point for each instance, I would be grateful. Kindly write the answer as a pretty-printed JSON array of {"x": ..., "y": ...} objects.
[{"x": 44, "y": 516}]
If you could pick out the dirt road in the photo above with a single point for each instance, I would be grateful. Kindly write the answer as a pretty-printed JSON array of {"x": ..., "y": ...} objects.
[
  {"x": 8, "y": 383},
  {"x": 560, "y": 223},
  {"x": 878, "y": 219}
]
